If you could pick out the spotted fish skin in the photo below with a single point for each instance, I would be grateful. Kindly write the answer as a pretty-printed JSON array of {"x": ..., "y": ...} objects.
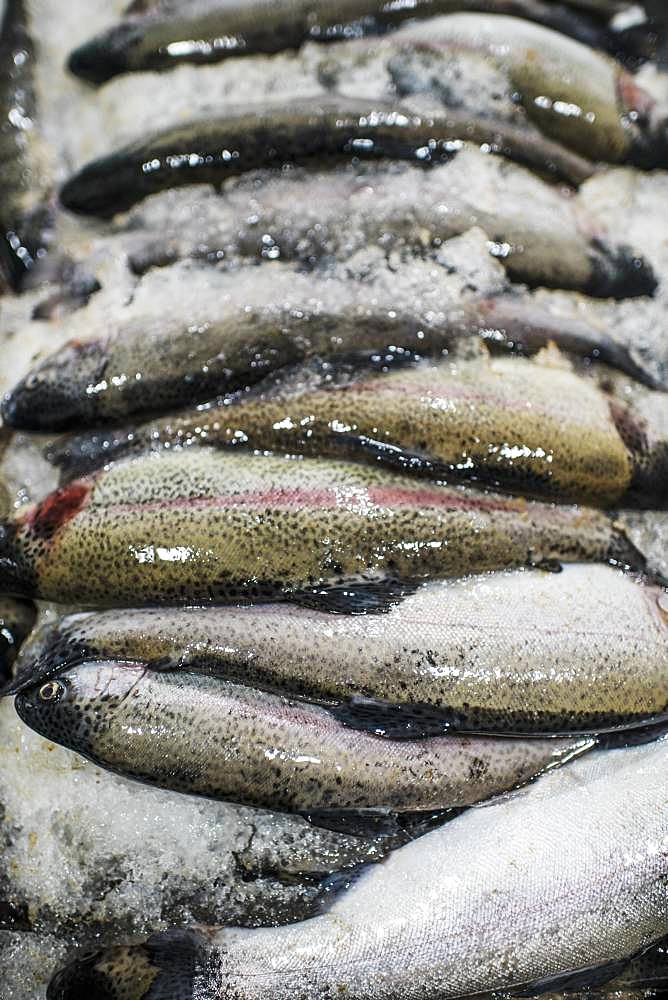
[
  {"x": 511, "y": 424},
  {"x": 168, "y": 34},
  {"x": 208, "y": 737},
  {"x": 545, "y": 878},
  {"x": 206, "y": 526},
  {"x": 544, "y": 237},
  {"x": 576, "y": 652},
  {"x": 263, "y": 320},
  {"x": 567, "y": 91},
  {"x": 212, "y": 150}
]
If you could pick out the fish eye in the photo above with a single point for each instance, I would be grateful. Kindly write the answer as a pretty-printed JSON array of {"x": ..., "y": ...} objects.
[{"x": 51, "y": 691}]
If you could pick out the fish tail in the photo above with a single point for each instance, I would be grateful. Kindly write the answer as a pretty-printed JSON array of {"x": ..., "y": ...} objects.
[
  {"x": 619, "y": 273},
  {"x": 175, "y": 965}
]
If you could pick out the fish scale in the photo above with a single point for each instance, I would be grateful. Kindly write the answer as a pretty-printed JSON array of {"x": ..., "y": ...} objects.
[
  {"x": 523, "y": 653},
  {"x": 207, "y": 526},
  {"x": 533, "y": 429},
  {"x": 568, "y": 875},
  {"x": 198, "y": 734}
]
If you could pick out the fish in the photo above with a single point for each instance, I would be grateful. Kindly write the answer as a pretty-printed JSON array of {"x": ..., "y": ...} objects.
[
  {"x": 205, "y": 526},
  {"x": 203, "y": 736},
  {"x": 540, "y": 236},
  {"x": 162, "y": 35},
  {"x": 24, "y": 217},
  {"x": 17, "y": 619},
  {"x": 212, "y": 149},
  {"x": 572, "y": 95},
  {"x": 535, "y": 429},
  {"x": 546, "y": 654},
  {"x": 561, "y": 883},
  {"x": 257, "y": 321}
]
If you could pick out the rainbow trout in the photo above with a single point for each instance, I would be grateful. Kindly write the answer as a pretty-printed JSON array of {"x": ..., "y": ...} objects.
[
  {"x": 566, "y": 881},
  {"x": 210, "y": 150},
  {"x": 258, "y": 320},
  {"x": 511, "y": 424},
  {"x": 540, "y": 235},
  {"x": 533, "y": 77},
  {"x": 204, "y": 526},
  {"x": 170, "y": 33},
  {"x": 200, "y": 735},
  {"x": 601, "y": 635}
]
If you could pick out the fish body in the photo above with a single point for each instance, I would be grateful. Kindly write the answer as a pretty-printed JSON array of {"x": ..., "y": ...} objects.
[
  {"x": 515, "y": 425},
  {"x": 166, "y": 34},
  {"x": 211, "y": 150},
  {"x": 568, "y": 875},
  {"x": 576, "y": 652},
  {"x": 541, "y": 236},
  {"x": 259, "y": 320},
  {"x": 16, "y": 622},
  {"x": 207, "y": 526},
  {"x": 21, "y": 220},
  {"x": 198, "y": 734}
]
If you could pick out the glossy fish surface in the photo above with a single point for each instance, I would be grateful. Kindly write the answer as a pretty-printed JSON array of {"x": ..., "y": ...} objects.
[
  {"x": 205, "y": 736},
  {"x": 210, "y": 150},
  {"x": 541, "y": 234},
  {"x": 534, "y": 429},
  {"x": 576, "y": 652},
  {"x": 256, "y": 321},
  {"x": 206, "y": 526},
  {"x": 209, "y": 31},
  {"x": 548, "y": 878},
  {"x": 17, "y": 619}
]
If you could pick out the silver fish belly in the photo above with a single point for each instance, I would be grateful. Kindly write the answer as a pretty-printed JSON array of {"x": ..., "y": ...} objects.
[{"x": 569, "y": 874}]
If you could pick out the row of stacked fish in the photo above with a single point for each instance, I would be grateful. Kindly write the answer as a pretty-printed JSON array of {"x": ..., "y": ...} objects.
[{"x": 347, "y": 535}]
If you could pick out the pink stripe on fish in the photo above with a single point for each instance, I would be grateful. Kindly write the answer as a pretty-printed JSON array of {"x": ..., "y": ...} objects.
[{"x": 331, "y": 498}]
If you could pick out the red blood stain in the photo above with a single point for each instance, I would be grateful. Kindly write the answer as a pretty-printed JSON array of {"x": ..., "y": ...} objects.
[{"x": 58, "y": 508}]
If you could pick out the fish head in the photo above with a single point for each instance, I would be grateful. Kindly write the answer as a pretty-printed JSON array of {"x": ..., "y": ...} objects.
[
  {"x": 170, "y": 965},
  {"x": 106, "y": 55},
  {"x": 82, "y": 704},
  {"x": 59, "y": 392}
]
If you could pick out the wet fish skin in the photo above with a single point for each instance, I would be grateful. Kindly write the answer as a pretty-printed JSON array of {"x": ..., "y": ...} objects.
[
  {"x": 208, "y": 527},
  {"x": 263, "y": 320},
  {"x": 462, "y": 421},
  {"x": 547, "y": 239},
  {"x": 533, "y": 229},
  {"x": 432, "y": 920},
  {"x": 17, "y": 619},
  {"x": 212, "y": 150},
  {"x": 606, "y": 633},
  {"x": 601, "y": 96},
  {"x": 165, "y": 35},
  {"x": 21, "y": 221},
  {"x": 200, "y": 735}
]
